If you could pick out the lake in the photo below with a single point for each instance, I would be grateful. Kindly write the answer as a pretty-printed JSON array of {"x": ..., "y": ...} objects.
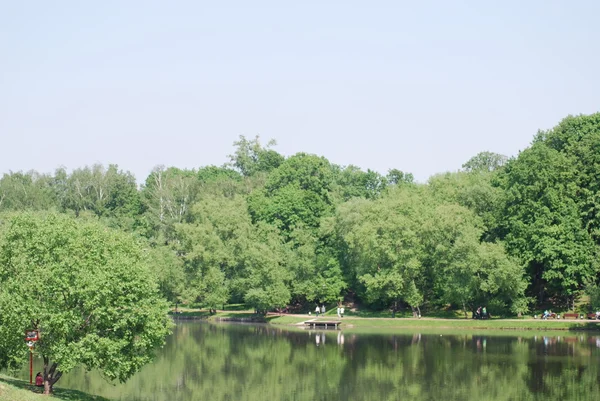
[{"x": 205, "y": 361}]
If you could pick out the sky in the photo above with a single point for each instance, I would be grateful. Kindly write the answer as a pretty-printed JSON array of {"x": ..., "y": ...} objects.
[{"x": 421, "y": 86}]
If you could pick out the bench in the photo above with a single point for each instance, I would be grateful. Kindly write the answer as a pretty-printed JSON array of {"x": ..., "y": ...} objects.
[
  {"x": 592, "y": 316},
  {"x": 571, "y": 315},
  {"x": 550, "y": 315}
]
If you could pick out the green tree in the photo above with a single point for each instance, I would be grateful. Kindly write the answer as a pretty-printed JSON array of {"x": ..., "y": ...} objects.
[
  {"x": 106, "y": 192},
  {"x": 476, "y": 191},
  {"x": 578, "y": 139},
  {"x": 86, "y": 288},
  {"x": 397, "y": 177},
  {"x": 352, "y": 182},
  {"x": 541, "y": 223},
  {"x": 485, "y": 161},
  {"x": 251, "y": 157},
  {"x": 167, "y": 196},
  {"x": 296, "y": 193},
  {"x": 26, "y": 191},
  {"x": 227, "y": 256}
]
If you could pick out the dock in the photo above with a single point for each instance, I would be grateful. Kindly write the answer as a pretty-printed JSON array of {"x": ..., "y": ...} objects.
[{"x": 314, "y": 323}]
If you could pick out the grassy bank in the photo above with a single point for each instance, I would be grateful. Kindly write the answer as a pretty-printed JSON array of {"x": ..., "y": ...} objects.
[
  {"x": 443, "y": 324},
  {"x": 366, "y": 320},
  {"x": 19, "y": 390}
]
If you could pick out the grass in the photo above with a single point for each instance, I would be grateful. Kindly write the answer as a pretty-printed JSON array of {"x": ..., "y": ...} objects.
[
  {"x": 353, "y": 322},
  {"x": 444, "y": 319},
  {"x": 19, "y": 390},
  {"x": 497, "y": 324}
]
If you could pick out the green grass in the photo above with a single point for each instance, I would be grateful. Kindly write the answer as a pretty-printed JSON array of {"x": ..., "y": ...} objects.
[
  {"x": 353, "y": 322},
  {"x": 383, "y": 319},
  {"x": 493, "y": 324},
  {"x": 286, "y": 319},
  {"x": 19, "y": 390}
]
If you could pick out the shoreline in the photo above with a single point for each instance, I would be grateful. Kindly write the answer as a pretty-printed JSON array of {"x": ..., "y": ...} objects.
[{"x": 399, "y": 323}]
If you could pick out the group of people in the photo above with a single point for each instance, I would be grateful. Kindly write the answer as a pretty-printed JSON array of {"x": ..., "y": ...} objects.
[
  {"x": 547, "y": 314},
  {"x": 321, "y": 310},
  {"x": 481, "y": 313}
]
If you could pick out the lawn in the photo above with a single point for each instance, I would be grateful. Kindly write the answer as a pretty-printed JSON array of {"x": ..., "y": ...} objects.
[{"x": 19, "y": 390}]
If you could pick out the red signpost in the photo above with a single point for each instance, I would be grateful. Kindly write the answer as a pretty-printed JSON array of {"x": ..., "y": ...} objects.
[{"x": 31, "y": 337}]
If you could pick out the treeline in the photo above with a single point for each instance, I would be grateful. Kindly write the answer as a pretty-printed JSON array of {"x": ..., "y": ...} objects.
[{"x": 272, "y": 231}]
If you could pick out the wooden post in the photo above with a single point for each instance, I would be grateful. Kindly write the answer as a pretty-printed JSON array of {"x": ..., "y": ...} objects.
[{"x": 30, "y": 366}]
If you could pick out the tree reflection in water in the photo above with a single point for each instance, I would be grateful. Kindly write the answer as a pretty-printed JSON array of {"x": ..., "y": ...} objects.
[{"x": 256, "y": 362}]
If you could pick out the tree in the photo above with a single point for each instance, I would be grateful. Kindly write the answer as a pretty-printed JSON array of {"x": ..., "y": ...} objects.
[
  {"x": 298, "y": 192},
  {"x": 475, "y": 191},
  {"x": 352, "y": 182},
  {"x": 167, "y": 196},
  {"x": 86, "y": 288},
  {"x": 315, "y": 271},
  {"x": 541, "y": 223},
  {"x": 578, "y": 139},
  {"x": 397, "y": 177},
  {"x": 409, "y": 247},
  {"x": 26, "y": 191},
  {"x": 251, "y": 157},
  {"x": 106, "y": 192},
  {"x": 485, "y": 161}
]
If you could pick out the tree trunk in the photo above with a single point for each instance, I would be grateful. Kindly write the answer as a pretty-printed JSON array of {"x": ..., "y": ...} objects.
[{"x": 51, "y": 375}]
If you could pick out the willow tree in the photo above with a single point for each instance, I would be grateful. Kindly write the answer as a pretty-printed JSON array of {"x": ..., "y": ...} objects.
[{"x": 86, "y": 289}]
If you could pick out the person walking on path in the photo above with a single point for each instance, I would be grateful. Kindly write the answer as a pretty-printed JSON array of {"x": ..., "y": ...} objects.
[
  {"x": 342, "y": 311},
  {"x": 317, "y": 310},
  {"x": 322, "y": 309},
  {"x": 338, "y": 312}
]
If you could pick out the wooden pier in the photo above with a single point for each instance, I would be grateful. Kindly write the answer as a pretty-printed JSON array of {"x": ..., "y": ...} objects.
[{"x": 314, "y": 323}]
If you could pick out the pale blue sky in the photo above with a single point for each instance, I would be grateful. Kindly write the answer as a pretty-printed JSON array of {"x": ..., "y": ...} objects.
[{"x": 420, "y": 86}]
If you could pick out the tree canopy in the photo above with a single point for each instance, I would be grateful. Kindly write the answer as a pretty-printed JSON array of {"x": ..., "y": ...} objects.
[
  {"x": 86, "y": 288},
  {"x": 270, "y": 230}
]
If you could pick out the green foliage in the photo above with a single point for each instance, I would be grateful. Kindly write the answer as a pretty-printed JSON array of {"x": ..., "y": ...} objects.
[
  {"x": 296, "y": 193},
  {"x": 316, "y": 230},
  {"x": 106, "y": 192},
  {"x": 88, "y": 290},
  {"x": 485, "y": 162},
  {"x": 542, "y": 225},
  {"x": 407, "y": 247},
  {"x": 26, "y": 191},
  {"x": 352, "y": 182},
  {"x": 397, "y": 177},
  {"x": 251, "y": 157}
]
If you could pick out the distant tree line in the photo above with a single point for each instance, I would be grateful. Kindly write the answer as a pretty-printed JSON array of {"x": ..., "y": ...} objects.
[{"x": 272, "y": 231}]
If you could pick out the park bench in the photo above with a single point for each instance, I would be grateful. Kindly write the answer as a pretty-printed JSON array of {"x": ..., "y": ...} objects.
[
  {"x": 551, "y": 315},
  {"x": 571, "y": 315},
  {"x": 592, "y": 316}
]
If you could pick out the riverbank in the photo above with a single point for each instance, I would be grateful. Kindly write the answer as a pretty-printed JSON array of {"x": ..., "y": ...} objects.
[
  {"x": 351, "y": 322},
  {"x": 18, "y": 390}
]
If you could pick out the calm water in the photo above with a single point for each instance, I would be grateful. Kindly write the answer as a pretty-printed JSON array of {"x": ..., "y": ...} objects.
[{"x": 214, "y": 362}]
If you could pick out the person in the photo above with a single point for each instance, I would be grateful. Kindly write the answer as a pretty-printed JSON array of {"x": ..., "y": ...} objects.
[
  {"x": 342, "y": 311},
  {"x": 39, "y": 380},
  {"x": 338, "y": 312},
  {"x": 484, "y": 313},
  {"x": 317, "y": 310},
  {"x": 546, "y": 314},
  {"x": 322, "y": 309},
  {"x": 478, "y": 313}
]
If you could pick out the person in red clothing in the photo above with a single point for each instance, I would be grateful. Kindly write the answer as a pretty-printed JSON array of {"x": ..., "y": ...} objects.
[{"x": 39, "y": 379}]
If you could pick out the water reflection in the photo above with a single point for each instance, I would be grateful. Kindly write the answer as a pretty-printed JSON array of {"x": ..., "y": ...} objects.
[{"x": 257, "y": 362}]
